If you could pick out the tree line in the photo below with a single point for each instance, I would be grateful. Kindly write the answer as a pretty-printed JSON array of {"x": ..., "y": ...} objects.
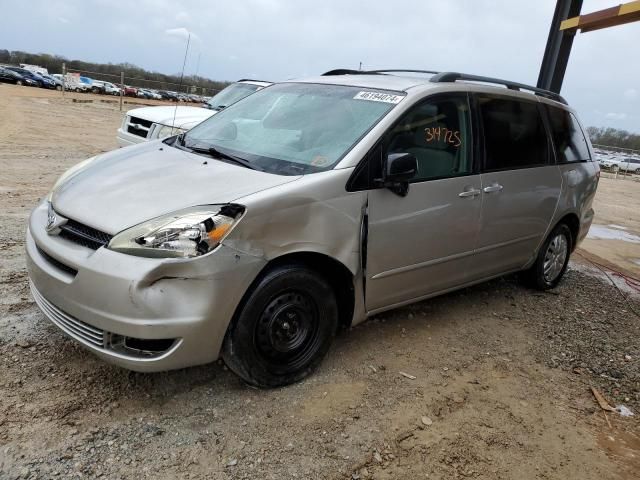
[
  {"x": 613, "y": 137},
  {"x": 110, "y": 72}
]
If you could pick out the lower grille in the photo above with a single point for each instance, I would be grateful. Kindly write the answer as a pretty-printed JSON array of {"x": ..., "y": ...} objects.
[
  {"x": 84, "y": 235},
  {"x": 57, "y": 263},
  {"x": 73, "y": 327}
]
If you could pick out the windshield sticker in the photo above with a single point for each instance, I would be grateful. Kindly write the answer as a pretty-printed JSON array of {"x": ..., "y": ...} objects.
[
  {"x": 379, "y": 97},
  {"x": 320, "y": 161}
]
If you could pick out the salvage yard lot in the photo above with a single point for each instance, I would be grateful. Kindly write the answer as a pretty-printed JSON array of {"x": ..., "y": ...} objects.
[{"x": 502, "y": 372}]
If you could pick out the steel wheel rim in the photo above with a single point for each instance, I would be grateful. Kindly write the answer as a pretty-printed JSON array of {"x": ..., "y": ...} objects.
[
  {"x": 555, "y": 257},
  {"x": 287, "y": 330}
]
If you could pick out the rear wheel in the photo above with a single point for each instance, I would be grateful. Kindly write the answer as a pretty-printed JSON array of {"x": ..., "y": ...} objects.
[
  {"x": 552, "y": 260},
  {"x": 19, "y": 82},
  {"x": 283, "y": 329}
]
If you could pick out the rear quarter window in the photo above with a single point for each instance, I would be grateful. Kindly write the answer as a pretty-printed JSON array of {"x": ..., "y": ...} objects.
[{"x": 568, "y": 138}]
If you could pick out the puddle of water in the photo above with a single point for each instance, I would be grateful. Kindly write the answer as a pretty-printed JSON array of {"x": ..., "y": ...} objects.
[
  {"x": 600, "y": 232},
  {"x": 617, "y": 227}
]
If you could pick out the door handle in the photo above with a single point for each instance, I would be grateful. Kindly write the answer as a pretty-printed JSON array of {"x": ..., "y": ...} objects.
[
  {"x": 472, "y": 192},
  {"x": 493, "y": 188}
]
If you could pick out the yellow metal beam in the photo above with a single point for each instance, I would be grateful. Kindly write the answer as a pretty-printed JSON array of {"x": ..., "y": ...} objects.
[{"x": 609, "y": 17}]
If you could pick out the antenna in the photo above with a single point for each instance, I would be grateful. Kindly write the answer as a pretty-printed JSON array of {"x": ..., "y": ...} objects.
[{"x": 184, "y": 63}]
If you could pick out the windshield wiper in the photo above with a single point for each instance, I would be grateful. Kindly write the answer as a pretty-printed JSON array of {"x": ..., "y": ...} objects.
[{"x": 215, "y": 153}]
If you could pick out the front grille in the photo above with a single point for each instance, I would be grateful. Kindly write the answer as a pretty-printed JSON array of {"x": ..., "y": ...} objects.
[
  {"x": 138, "y": 126},
  {"x": 73, "y": 327},
  {"x": 57, "y": 263},
  {"x": 84, "y": 235},
  {"x": 141, "y": 121}
]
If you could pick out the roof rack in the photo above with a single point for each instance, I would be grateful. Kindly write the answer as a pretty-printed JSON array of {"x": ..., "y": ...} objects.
[
  {"x": 455, "y": 76},
  {"x": 402, "y": 70},
  {"x": 346, "y": 71}
]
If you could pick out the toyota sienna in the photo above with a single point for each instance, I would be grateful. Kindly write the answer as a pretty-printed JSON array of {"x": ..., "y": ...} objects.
[{"x": 308, "y": 206}]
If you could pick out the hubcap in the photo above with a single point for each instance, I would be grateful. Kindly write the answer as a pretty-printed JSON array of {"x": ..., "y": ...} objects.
[
  {"x": 555, "y": 257},
  {"x": 287, "y": 329}
]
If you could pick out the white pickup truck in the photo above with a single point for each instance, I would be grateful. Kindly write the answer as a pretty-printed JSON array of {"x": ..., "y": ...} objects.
[{"x": 152, "y": 123}]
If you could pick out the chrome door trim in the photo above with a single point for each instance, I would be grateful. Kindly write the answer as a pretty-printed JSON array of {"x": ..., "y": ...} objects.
[
  {"x": 415, "y": 266},
  {"x": 504, "y": 244},
  {"x": 440, "y": 292}
]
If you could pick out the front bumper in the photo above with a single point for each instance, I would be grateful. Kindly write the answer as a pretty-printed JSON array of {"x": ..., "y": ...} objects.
[
  {"x": 125, "y": 138},
  {"x": 115, "y": 296}
]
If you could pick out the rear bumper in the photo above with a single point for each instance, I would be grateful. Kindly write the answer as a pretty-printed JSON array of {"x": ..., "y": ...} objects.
[{"x": 104, "y": 297}]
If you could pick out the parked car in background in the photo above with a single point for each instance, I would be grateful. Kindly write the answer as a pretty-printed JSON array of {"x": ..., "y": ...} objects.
[
  {"x": 148, "y": 94},
  {"x": 86, "y": 82},
  {"x": 34, "y": 80},
  {"x": 52, "y": 82},
  {"x": 152, "y": 123},
  {"x": 9, "y": 76},
  {"x": 607, "y": 161},
  {"x": 130, "y": 91},
  {"x": 97, "y": 86},
  {"x": 35, "y": 68},
  {"x": 629, "y": 164},
  {"x": 111, "y": 89},
  {"x": 307, "y": 206},
  {"x": 166, "y": 95},
  {"x": 234, "y": 92}
]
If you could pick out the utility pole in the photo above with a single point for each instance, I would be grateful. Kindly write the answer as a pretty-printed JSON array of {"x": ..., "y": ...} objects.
[
  {"x": 64, "y": 77},
  {"x": 121, "y": 88}
]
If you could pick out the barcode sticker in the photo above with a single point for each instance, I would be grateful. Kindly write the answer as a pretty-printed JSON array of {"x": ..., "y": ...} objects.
[{"x": 379, "y": 97}]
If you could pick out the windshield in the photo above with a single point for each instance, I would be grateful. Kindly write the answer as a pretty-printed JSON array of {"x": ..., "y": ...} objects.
[
  {"x": 294, "y": 128},
  {"x": 230, "y": 95}
]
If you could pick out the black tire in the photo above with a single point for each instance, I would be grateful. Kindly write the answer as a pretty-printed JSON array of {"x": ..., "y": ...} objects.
[
  {"x": 548, "y": 270},
  {"x": 637, "y": 172},
  {"x": 283, "y": 328}
]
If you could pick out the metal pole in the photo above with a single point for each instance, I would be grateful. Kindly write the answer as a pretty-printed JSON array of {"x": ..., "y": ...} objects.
[
  {"x": 121, "y": 88},
  {"x": 556, "y": 53},
  {"x": 64, "y": 77}
]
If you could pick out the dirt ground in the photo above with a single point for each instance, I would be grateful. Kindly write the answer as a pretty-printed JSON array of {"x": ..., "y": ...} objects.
[{"x": 502, "y": 373}]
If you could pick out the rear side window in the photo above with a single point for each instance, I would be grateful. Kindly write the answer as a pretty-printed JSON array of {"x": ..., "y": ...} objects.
[
  {"x": 514, "y": 134},
  {"x": 568, "y": 138}
]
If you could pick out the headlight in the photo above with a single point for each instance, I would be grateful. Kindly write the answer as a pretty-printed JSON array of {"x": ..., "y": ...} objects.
[
  {"x": 70, "y": 173},
  {"x": 188, "y": 233},
  {"x": 164, "y": 131}
]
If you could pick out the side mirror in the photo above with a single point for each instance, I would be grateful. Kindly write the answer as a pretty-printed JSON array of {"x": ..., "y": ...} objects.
[{"x": 398, "y": 170}]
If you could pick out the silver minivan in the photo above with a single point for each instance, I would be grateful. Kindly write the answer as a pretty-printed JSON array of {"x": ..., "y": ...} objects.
[{"x": 306, "y": 207}]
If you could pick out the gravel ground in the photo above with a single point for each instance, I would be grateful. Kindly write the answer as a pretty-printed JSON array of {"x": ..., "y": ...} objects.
[{"x": 501, "y": 388}]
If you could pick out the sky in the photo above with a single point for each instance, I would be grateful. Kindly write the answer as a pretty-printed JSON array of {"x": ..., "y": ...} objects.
[{"x": 284, "y": 39}]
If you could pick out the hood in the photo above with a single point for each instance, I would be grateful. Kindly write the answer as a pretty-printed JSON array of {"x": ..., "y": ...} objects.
[
  {"x": 128, "y": 186},
  {"x": 185, "y": 117}
]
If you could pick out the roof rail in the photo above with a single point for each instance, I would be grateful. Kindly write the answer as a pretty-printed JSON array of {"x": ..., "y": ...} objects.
[
  {"x": 346, "y": 71},
  {"x": 402, "y": 70},
  {"x": 455, "y": 76},
  {"x": 252, "y": 80}
]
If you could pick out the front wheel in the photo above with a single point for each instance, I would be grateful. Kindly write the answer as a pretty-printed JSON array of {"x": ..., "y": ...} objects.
[
  {"x": 283, "y": 329},
  {"x": 552, "y": 259}
]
